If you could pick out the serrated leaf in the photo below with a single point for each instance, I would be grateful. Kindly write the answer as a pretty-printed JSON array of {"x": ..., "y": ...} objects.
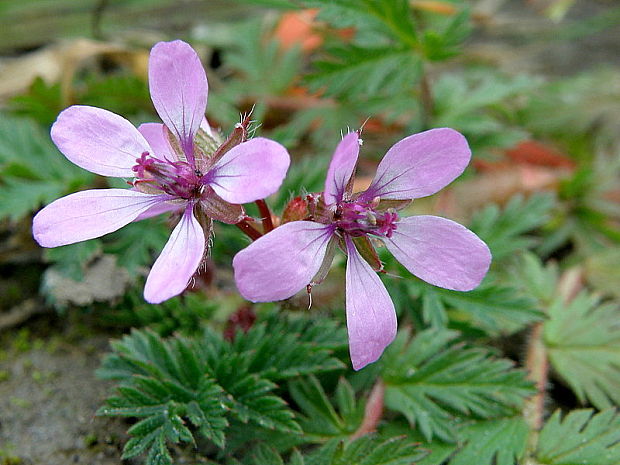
[
  {"x": 281, "y": 349},
  {"x": 34, "y": 172},
  {"x": 204, "y": 416},
  {"x": 265, "y": 455},
  {"x": 495, "y": 442},
  {"x": 209, "y": 380},
  {"x": 158, "y": 453},
  {"x": 42, "y": 102},
  {"x": 580, "y": 438},
  {"x": 156, "y": 388},
  {"x": 434, "y": 382},
  {"x": 367, "y": 450},
  {"x": 388, "y": 19},
  {"x": 356, "y": 71},
  {"x": 493, "y": 308},
  {"x": 320, "y": 419},
  {"x": 251, "y": 400},
  {"x": 504, "y": 229},
  {"x": 151, "y": 433},
  {"x": 472, "y": 102},
  {"x": 583, "y": 342}
]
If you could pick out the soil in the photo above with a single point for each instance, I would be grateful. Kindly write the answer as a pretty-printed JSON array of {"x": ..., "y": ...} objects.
[{"x": 48, "y": 397}]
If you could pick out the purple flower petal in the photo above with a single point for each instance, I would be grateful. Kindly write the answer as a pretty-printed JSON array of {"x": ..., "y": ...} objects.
[
  {"x": 98, "y": 140},
  {"x": 178, "y": 85},
  {"x": 282, "y": 262},
  {"x": 160, "y": 209},
  {"x": 155, "y": 135},
  {"x": 249, "y": 171},
  {"x": 371, "y": 318},
  {"x": 89, "y": 214},
  {"x": 341, "y": 167},
  {"x": 440, "y": 252},
  {"x": 178, "y": 262},
  {"x": 420, "y": 165}
]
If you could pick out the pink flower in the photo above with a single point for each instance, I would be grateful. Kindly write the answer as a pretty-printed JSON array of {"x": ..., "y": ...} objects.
[
  {"x": 435, "y": 249},
  {"x": 172, "y": 171}
]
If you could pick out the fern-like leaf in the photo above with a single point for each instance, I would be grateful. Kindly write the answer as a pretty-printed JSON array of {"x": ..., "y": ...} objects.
[
  {"x": 580, "y": 437},
  {"x": 33, "y": 171},
  {"x": 504, "y": 230},
  {"x": 433, "y": 382},
  {"x": 355, "y": 71},
  {"x": 367, "y": 450},
  {"x": 493, "y": 442},
  {"x": 583, "y": 341},
  {"x": 321, "y": 420}
]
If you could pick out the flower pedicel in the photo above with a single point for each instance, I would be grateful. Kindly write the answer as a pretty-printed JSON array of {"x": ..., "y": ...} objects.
[
  {"x": 172, "y": 171},
  {"x": 437, "y": 250}
]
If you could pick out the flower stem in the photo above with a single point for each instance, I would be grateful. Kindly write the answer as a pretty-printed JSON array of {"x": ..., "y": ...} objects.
[
  {"x": 373, "y": 410},
  {"x": 537, "y": 365},
  {"x": 249, "y": 230},
  {"x": 537, "y": 361},
  {"x": 426, "y": 96},
  {"x": 265, "y": 214}
]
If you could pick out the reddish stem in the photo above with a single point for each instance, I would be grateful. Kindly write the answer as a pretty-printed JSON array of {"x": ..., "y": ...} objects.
[
  {"x": 265, "y": 214},
  {"x": 247, "y": 229},
  {"x": 373, "y": 410}
]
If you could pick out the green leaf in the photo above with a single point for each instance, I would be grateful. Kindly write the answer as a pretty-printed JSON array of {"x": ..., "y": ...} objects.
[
  {"x": 151, "y": 434},
  {"x": 124, "y": 94},
  {"x": 211, "y": 381},
  {"x": 353, "y": 71},
  {"x": 494, "y": 442},
  {"x": 250, "y": 399},
  {"x": 367, "y": 450},
  {"x": 302, "y": 346},
  {"x": 445, "y": 383},
  {"x": 388, "y": 19},
  {"x": 162, "y": 382},
  {"x": 33, "y": 171},
  {"x": 504, "y": 229},
  {"x": 320, "y": 420},
  {"x": 42, "y": 102},
  {"x": 265, "y": 455},
  {"x": 441, "y": 41},
  {"x": 478, "y": 103},
  {"x": 493, "y": 308},
  {"x": 583, "y": 342},
  {"x": 579, "y": 438},
  {"x": 136, "y": 244}
]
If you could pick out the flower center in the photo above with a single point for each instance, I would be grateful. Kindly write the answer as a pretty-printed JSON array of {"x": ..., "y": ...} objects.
[
  {"x": 360, "y": 218},
  {"x": 177, "y": 178}
]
